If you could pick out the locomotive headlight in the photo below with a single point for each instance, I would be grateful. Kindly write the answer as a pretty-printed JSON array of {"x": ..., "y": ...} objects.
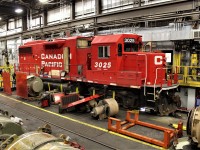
[{"x": 142, "y": 109}]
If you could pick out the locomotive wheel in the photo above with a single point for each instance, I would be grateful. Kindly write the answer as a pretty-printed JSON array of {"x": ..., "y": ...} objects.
[
  {"x": 127, "y": 101},
  {"x": 164, "y": 107},
  {"x": 189, "y": 122}
]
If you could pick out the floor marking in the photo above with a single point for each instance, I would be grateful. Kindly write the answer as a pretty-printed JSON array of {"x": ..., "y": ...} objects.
[{"x": 86, "y": 124}]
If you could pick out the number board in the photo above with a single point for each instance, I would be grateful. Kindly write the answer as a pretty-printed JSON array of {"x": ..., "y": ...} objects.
[{"x": 129, "y": 40}]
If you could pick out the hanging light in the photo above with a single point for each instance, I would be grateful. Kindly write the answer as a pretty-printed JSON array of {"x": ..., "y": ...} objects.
[
  {"x": 18, "y": 10},
  {"x": 43, "y": 1}
]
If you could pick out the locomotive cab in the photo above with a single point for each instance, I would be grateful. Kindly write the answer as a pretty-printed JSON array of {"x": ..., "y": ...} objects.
[
  {"x": 109, "y": 63},
  {"x": 117, "y": 61}
]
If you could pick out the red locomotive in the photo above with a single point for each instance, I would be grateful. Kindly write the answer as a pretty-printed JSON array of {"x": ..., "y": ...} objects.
[{"x": 110, "y": 64}]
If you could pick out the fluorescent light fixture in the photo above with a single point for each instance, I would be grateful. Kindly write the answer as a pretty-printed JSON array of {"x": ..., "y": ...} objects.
[
  {"x": 43, "y": 1},
  {"x": 18, "y": 10}
]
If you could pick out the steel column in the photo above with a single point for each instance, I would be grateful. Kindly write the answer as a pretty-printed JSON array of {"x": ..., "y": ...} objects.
[
  {"x": 72, "y": 10},
  {"x": 45, "y": 18},
  {"x": 98, "y": 7}
]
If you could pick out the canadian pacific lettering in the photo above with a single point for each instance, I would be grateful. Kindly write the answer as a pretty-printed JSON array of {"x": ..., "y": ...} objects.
[
  {"x": 51, "y": 56},
  {"x": 46, "y": 60}
]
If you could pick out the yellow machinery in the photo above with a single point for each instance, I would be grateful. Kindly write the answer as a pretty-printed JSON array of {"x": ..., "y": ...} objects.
[
  {"x": 9, "y": 69},
  {"x": 194, "y": 62},
  {"x": 186, "y": 65}
]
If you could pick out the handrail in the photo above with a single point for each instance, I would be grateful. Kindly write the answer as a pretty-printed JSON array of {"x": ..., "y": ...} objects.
[
  {"x": 157, "y": 77},
  {"x": 145, "y": 73}
]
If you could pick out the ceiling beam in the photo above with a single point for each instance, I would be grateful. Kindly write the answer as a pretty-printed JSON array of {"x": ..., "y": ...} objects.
[{"x": 143, "y": 11}]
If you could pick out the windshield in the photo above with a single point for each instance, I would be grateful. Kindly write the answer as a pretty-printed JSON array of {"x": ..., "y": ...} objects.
[{"x": 130, "y": 47}]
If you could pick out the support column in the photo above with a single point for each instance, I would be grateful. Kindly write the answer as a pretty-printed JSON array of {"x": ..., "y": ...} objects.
[
  {"x": 45, "y": 18},
  {"x": 5, "y": 61},
  {"x": 191, "y": 98},
  {"x": 15, "y": 23},
  {"x": 72, "y": 10},
  {"x": 98, "y": 7},
  {"x": 95, "y": 29},
  {"x": 7, "y": 25},
  {"x": 24, "y": 23},
  {"x": 139, "y": 3}
]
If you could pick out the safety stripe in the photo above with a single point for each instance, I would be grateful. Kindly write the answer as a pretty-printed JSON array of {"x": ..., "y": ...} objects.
[
  {"x": 86, "y": 124},
  {"x": 49, "y": 86},
  {"x": 61, "y": 87}
]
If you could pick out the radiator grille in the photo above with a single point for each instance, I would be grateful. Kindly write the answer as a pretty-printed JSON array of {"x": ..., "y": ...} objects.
[{"x": 69, "y": 99}]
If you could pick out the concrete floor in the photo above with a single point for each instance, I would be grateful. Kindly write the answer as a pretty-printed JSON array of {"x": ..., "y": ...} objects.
[{"x": 85, "y": 125}]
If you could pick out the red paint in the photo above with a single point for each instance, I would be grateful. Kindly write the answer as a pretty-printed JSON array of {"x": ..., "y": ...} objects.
[{"x": 6, "y": 83}]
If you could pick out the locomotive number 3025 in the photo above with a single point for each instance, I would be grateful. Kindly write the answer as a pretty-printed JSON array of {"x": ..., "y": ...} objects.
[{"x": 102, "y": 64}]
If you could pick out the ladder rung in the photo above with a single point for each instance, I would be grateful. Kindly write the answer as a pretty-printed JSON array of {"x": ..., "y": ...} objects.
[
  {"x": 150, "y": 93},
  {"x": 149, "y": 100}
]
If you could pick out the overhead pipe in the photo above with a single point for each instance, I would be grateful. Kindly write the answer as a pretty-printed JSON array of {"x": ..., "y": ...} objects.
[{"x": 130, "y": 20}]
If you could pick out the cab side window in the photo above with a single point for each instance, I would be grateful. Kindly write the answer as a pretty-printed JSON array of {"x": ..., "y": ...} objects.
[{"x": 104, "y": 51}]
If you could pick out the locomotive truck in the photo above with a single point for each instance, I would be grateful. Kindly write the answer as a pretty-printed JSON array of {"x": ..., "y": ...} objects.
[{"x": 114, "y": 65}]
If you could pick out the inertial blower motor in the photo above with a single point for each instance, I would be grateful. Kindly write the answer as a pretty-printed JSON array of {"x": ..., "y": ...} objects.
[
  {"x": 35, "y": 85},
  {"x": 105, "y": 108}
]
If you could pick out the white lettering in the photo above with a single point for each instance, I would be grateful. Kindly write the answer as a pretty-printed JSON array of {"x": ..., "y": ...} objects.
[
  {"x": 59, "y": 56},
  {"x": 51, "y": 64},
  {"x": 129, "y": 40},
  {"x": 51, "y": 56},
  {"x": 42, "y": 56},
  {"x": 59, "y": 64},
  {"x": 43, "y": 63},
  {"x": 55, "y": 57},
  {"x": 100, "y": 64},
  {"x": 103, "y": 65},
  {"x": 109, "y": 65},
  {"x": 96, "y": 64}
]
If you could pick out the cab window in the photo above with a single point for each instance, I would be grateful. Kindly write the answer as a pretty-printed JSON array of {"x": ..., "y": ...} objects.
[
  {"x": 130, "y": 47},
  {"x": 104, "y": 51}
]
